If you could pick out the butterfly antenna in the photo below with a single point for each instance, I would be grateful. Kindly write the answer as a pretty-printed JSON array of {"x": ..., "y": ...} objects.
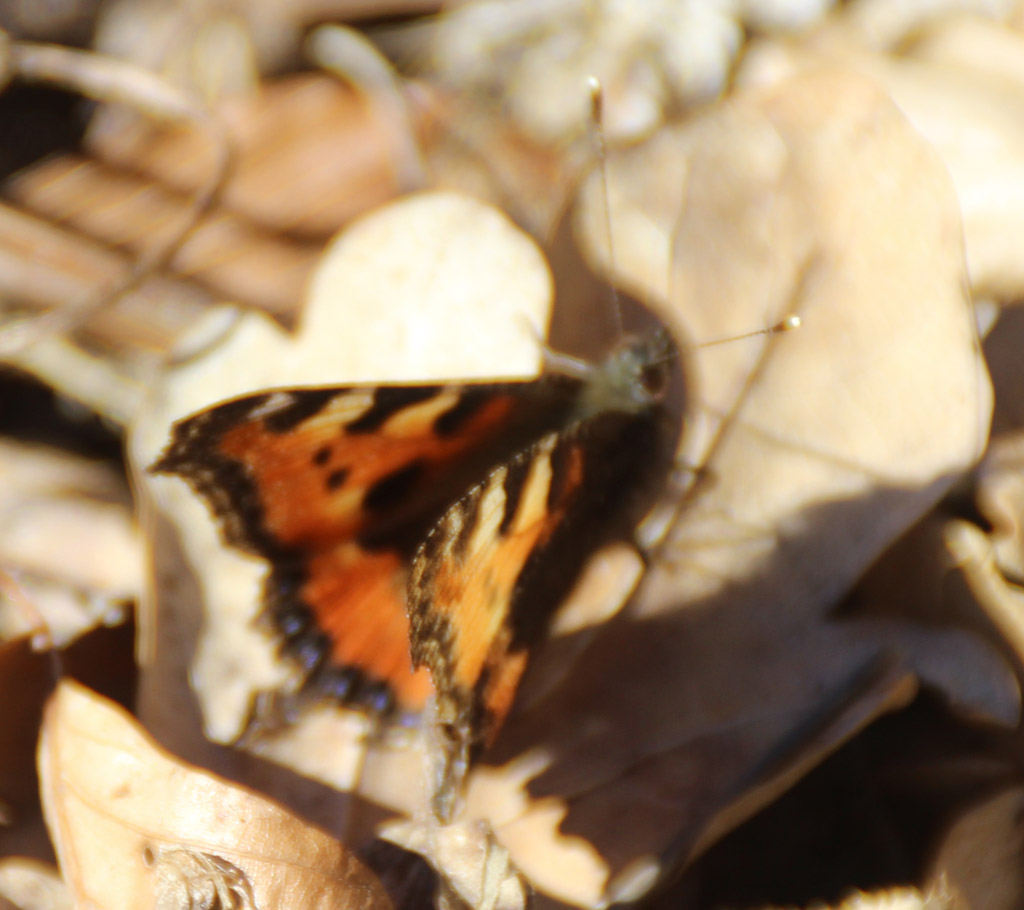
[
  {"x": 791, "y": 322},
  {"x": 787, "y": 324},
  {"x": 599, "y": 140}
]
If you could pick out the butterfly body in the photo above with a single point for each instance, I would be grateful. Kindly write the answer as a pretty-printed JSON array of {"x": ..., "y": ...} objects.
[{"x": 494, "y": 494}]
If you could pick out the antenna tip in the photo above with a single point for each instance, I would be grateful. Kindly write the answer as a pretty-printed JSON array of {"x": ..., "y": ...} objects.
[{"x": 596, "y": 98}]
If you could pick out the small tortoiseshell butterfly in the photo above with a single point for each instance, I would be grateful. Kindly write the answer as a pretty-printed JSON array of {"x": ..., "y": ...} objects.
[{"x": 445, "y": 522}]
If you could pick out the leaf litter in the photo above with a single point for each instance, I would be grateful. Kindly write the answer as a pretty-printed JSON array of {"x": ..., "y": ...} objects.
[{"x": 837, "y": 577}]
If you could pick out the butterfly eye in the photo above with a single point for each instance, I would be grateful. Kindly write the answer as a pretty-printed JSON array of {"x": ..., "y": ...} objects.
[{"x": 654, "y": 379}]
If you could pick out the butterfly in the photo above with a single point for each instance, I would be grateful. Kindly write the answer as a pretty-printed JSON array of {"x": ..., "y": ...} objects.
[{"x": 420, "y": 537}]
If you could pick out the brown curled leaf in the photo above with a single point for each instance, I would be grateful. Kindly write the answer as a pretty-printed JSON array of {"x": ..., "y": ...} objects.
[{"x": 135, "y": 827}]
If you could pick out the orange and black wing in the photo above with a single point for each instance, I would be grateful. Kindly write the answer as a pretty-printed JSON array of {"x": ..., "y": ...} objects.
[
  {"x": 336, "y": 488},
  {"x": 491, "y": 573}
]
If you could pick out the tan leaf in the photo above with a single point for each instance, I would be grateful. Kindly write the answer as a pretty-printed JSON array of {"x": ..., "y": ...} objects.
[
  {"x": 31, "y": 885},
  {"x": 1001, "y": 500},
  {"x": 67, "y": 537},
  {"x": 311, "y": 154},
  {"x": 135, "y": 827},
  {"x": 1002, "y": 351},
  {"x": 825, "y": 444},
  {"x": 475, "y": 869},
  {"x": 961, "y": 88},
  {"x": 102, "y": 656},
  {"x": 979, "y": 858}
]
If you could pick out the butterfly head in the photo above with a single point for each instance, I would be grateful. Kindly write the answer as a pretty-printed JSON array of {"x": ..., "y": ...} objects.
[{"x": 634, "y": 377}]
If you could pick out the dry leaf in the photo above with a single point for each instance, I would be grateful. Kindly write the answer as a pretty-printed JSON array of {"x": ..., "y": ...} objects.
[
  {"x": 135, "y": 827},
  {"x": 833, "y": 439},
  {"x": 640, "y": 743},
  {"x": 979, "y": 858},
  {"x": 966, "y": 108},
  {"x": 69, "y": 562},
  {"x": 67, "y": 535},
  {"x": 883, "y": 25},
  {"x": 651, "y": 59},
  {"x": 474, "y": 868},
  {"x": 31, "y": 885},
  {"x": 308, "y": 158},
  {"x": 228, "y": 256},
  {"x": 311, "y": 154},
  {"x": 1000, "y": 498},
  {"x": 103, "y": 658},
  {"x": 940, "y": 898},
  {"x": 1002, "y": 352}
]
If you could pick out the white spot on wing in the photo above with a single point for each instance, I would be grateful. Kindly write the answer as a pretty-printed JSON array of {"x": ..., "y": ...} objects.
[{"x": 278, "y": 401}]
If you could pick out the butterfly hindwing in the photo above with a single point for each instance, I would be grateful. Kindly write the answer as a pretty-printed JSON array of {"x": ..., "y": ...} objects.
[{"x": 491, "y": 573}]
